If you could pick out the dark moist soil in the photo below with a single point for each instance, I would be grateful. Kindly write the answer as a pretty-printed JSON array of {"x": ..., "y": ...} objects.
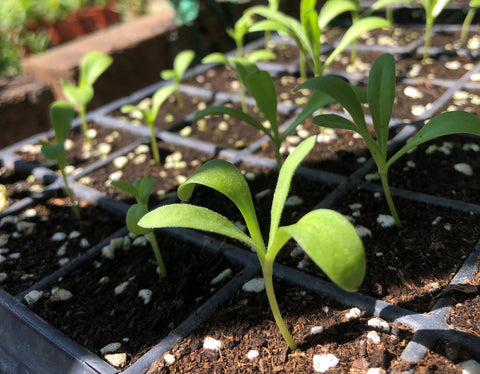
[
  {"x": 116, "y": 138},
  {"x": 37, "y": 251},
  {"x": 228, "y": 131},
  {"x": 19, "y": 186},
  {"x": 95, "y": 316},
  {"x": 246, "y": 323},
  {"x": 217, "y": 79},
  {"x": 430, "y": 170},
  {"x": 170, "y": 112},
  {"x": 168, "y": 175},
  {"x": 411, "y": 265}
]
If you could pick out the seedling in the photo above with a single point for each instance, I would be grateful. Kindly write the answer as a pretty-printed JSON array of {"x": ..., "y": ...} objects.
[
  {"x": 380, "y": 98},
  {"x": 149, "y": 115},
  {"x": 260, "y": 84},
  {"x": 325, "y": 235},
  {"x": 141, "y": 190},
  {"x": 307, "y": 33},
  {"x": 432, "y": 8},
  {"x": 473, "y": 6},
  {"x": 61, "y": 116},
  {"x": 92, "y": 66},
  {"x": 180, "y": 64},
  {"x": 238, "y": 34}
]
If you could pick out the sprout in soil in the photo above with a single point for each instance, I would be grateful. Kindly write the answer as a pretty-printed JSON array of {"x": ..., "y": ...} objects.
[
  {"x": 432, "y": 8},
  {"x": 237, "y": 33},
  {"x": 92, "y": 66},
  {"x": 149, "y": 115},
  {"x": 141, "y": 190},
  {"x": 380, "y": 98},
  {"x": 328, "y": 238},
  {"x": 473, "y": 5},
  {"x": 180, "y": 64},
  {"x": 61, "y": 116},
  {"x": 307, "y": 33}
]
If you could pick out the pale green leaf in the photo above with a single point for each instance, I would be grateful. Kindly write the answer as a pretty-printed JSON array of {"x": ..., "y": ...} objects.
[
  {"x": 234, "y": 112},
  {"x": 182, "y": 61},
  {"x": 92, "y": 66},
  {"x": 126, "y": 187},
  {"x": 358, "y": 28},
  {"x": 332, "y": 9},
  {"x": 331, "y": 241},
  {"x": 447, "y": 123},
  {"x": 61, "y": 116},
  {"x": 283, "y": 184},
  {"x": 261, "y": 87},
  {"x": 158, "y": 99},
  {"x": 193, "y": 217},
  {"x": 225, "y": 178},
  {"x": 78, "y": 95},
  {"x": 215, "y": 57}
]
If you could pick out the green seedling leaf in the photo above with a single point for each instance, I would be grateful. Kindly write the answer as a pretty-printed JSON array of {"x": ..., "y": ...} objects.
[
  {"x": 215, "y": 57},
  {"x": 439, "y": 5},
  {"x": 134, "y": 214},
  {"x": 234, "y": 112},
  {"x": 331, "y": 241},
  {"x": 193, "y": 217},
  {"x": 126, "y": 187},
  {"x": 226, "y": 179},
  {"x": 167, "y": 74},
  {"x": 448, "y": 123},
  {"x": 52, "y": 151},
  {"x": 261, "y": 87},
  {"x": 312, "y": 30},
  {"x": 474, "y": 3},
  {"x": 182, "y": 61},
  {"x": 244, "y": 67},
  {"x": 283, "y": 184},
  {"x": 92, "y": 66},
  {"x": 381, "y": 96},
  {"x": 61, "y": 116},
  {"x": 158, "y": 99},
  {"x": 260, "y": 55},
  {"x": 332, "y": 9},
  {"x": 358, "y": 28},
  {"x": 334, "y": 121},
  {"x": 78, "y": 95},
  {"x": 341, "y": 92}
]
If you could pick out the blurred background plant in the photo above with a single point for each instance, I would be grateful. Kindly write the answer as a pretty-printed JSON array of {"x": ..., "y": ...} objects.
[{"x": 27, "y": 26}]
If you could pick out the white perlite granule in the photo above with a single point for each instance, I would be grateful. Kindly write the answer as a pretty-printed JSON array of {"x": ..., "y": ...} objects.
[
  {"x": 321, "y": 363},
  {"x": 254, "y": 285},
  {"x": 212, "y": 344}
]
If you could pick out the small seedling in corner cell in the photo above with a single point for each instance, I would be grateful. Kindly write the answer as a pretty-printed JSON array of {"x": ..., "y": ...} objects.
[
  {"x": 92, "y": 66},
  {"x": 141, "y": 190},
  {"x": 61, "y": 116},
  {"x": 180, "y": 65},
  {"x": 327, "y": 237},
  {"x": 149, "y": 115},
  {"x": 380, "y": 99},
  {"x": 4, "y": 194},
  {"x": 432, "y": 8}
]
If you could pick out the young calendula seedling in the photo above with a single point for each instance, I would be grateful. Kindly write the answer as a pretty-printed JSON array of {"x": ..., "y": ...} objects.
[
  {"x": 92, "y": 66},
  {"x": 432, "y": 8},
  {"x": 380, "y": 98},
  {"x": 141, "y": 190},
  {"x": 307, "y": 32},
  {"x": 473, "y": 6},
  {"x": 180, "y": 64},
  {"x": 241, "y": 27},
  {"x": 326, "y": 236},
  {"x": 61, "y": 116},
  {"x": 149, "y": 115}
]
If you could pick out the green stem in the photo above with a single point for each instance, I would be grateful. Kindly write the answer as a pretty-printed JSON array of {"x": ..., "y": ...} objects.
[
  {"x": 84, "y": 125},
  {"x": 242, "y": 96},
  {"x": 158, "y": 255},
  {"x": 428, "y": 40},
  {"x": 180, "y": 103},
  {"x": 267, "y": 270},
  {"x": 386, "y": 189},
  {"x": 69, "y": 193},
  {"x": 389, "y": 16},
  {"x": 466, "y": 24},
  {"x": 153, "y": 141}
]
